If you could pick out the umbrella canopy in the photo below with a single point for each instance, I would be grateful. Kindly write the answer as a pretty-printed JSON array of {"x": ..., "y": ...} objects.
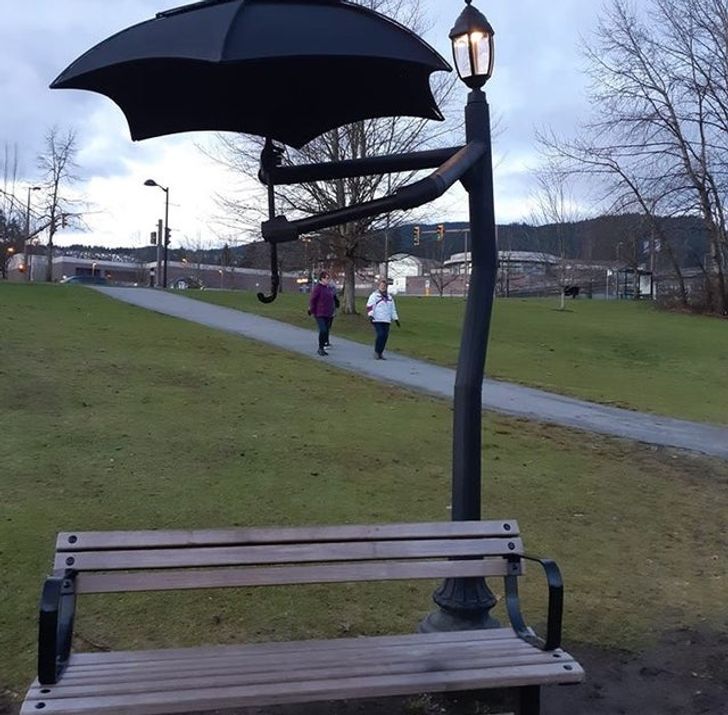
[{"x": 284, "y": 69}]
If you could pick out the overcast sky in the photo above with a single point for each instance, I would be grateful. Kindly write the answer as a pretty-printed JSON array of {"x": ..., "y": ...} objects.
[{"x": 537, "y": 82}]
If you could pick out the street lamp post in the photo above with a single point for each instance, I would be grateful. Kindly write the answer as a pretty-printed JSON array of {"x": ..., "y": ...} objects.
[
  {"x": 27, "y": 233},
  {"x": 465, "y": 603},
  {"x": 151, "y": 182},
  {"x": 9, "y": 254}
]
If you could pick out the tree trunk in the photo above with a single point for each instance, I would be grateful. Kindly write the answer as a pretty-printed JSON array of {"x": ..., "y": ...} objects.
[
  {"x": 49, "y": 265},
  {"x": 678, "y": 272},
  {"x": 349, "y": 302},
  {"x": 718, "y": 263}
]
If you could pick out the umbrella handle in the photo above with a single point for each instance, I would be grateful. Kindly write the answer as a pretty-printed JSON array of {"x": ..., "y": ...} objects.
[
  {"x": 275, "y": 279},
  {"x": 271, "y": 157}
]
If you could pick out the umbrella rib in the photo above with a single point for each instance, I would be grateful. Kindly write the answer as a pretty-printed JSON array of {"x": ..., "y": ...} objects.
[
  {"x": 193, "y": 6},
  {"x": 223, "y": 49}
]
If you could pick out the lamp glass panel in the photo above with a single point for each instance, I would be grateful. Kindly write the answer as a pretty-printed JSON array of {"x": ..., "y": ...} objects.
[
  {"x": 461, "y": 47},
  {"x": 481, "y": 44}
]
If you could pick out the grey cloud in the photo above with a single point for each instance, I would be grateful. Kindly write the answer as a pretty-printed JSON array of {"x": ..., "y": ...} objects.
[{"x": 39, "y": 39}]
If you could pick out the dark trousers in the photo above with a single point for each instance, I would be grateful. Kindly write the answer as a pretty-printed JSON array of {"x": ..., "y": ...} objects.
[
  {"x": 323, "y": 326},
  {"x": 382, "y": 330},
  {"x": 331, "y": 322}
]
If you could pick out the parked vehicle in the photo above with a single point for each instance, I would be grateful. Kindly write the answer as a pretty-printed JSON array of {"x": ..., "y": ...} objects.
[{"x": 86, "y": 280}]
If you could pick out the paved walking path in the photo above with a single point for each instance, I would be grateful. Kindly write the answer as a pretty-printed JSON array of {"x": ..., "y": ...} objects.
[{"x": 439, "y": 381}]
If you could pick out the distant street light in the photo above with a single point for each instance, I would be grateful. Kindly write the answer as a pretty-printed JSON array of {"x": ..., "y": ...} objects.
[
  {"x": 9, "y": 254},
  {"x": 152, "y": 182},
  {"x": 27, "y": 233}
]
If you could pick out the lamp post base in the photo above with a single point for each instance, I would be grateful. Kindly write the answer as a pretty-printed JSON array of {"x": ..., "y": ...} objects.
[
  {"x": 442, "y": 621},
  {"x": 464, "y": 604}
]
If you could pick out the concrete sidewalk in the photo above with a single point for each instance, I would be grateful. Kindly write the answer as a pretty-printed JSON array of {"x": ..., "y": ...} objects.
[{"x": 439, "y": 381}]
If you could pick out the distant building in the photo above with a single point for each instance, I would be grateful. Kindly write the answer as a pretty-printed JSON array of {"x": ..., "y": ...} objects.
[
  {"x": 401, "y": 267},
  {"x": 518, "y": 262},
  {"x": 519, "y": 272},
  {"x": 141, "y": 274}
]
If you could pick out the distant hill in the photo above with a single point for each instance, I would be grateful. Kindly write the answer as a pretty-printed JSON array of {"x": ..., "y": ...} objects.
[
  {"x": 607, "y": 238},
  {"x": 623, "y": 238}
]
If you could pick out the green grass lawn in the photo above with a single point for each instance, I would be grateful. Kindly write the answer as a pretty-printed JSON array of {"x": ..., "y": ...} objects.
[
  {"x": 618, "y": 352},
  {"x": 117, "y": 418}
]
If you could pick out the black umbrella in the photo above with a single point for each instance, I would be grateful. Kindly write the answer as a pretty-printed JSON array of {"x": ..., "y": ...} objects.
[{"x": 284, "y": 69}]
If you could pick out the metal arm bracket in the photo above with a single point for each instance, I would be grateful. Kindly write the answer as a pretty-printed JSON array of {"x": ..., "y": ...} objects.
[
  {"x": 55, "y": 625},
  {"x": 279, "y": 229},
  {"x": 555, "y": 603}
]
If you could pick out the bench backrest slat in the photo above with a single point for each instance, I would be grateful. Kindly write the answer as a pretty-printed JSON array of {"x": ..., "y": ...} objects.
[
  {"x": 161, "y": 560},
  {"x": 119, "y": 540},
  {"x": 284, "y": 553},
  {"x": 275, "y": 576}
]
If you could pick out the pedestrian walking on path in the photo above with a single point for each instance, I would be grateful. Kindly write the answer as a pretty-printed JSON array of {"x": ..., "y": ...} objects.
[
  {"x": 381, "y": 311},
  {"x": 321, "y": 307},
  {"x": 332, "y": 288}
]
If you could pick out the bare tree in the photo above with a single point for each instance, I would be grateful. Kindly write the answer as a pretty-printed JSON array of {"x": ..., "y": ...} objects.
[
  {"x": 358, "y": 243},
  {"x": 58, "y": 167},
  {"x": 556, "y": 206},
  {"x": 627, "y": 184},
  {"x": 441, "y": 276},
  {"x": 660, "y": 86},
  {"x": 11, "y": 211},
  {"x": 194, "y": 251}
]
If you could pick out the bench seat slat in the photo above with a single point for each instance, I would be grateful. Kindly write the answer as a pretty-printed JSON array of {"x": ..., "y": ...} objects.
[
  {"x": 114, "y": 540},
  {"x": 92, "y": 659},
  {"x": 284, "y": 553},
  {"x": 311, "y": 691},
  {"x": 379, "y": 667},
  {"x": 175, "y": 682},
  {"x": 262, "y": 576},
  {"x": 287, "y": 668}
]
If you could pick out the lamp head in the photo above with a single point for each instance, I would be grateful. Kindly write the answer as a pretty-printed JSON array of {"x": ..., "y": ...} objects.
[
  {"x": 150, "y": 182},
  {"x": 473, "y": 47}
]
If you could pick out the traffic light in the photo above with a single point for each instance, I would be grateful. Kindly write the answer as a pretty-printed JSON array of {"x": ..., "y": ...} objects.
[
  {"x": 417, "y": 235},
  {"x": 153, "y": 238},
  {"x": 440, "y": 231},
  {"x": 168, "y": 233}
]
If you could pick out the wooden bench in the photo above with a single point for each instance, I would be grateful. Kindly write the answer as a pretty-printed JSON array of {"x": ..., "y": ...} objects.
[{"x": 215, "y": 678}]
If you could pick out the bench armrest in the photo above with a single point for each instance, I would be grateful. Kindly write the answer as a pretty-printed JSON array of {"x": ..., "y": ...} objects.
[
  {"x": 55, "y": 626},
  {"x": 555, "y": 603}
]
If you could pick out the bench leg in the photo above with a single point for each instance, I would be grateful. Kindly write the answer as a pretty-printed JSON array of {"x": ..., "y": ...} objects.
[{"x": 530, "y": 700}]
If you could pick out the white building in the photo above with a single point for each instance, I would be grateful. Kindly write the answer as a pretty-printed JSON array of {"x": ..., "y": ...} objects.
[
  {"x": 518, "y": 262},
  {"x": 401, "y": 267}
]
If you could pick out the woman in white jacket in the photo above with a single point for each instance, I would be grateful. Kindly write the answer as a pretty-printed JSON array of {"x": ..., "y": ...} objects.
[{"x": 381, "y": 311}]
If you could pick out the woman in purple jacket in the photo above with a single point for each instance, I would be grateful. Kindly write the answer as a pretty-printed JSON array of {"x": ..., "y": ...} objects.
[{"x": 321, "y": 306}]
